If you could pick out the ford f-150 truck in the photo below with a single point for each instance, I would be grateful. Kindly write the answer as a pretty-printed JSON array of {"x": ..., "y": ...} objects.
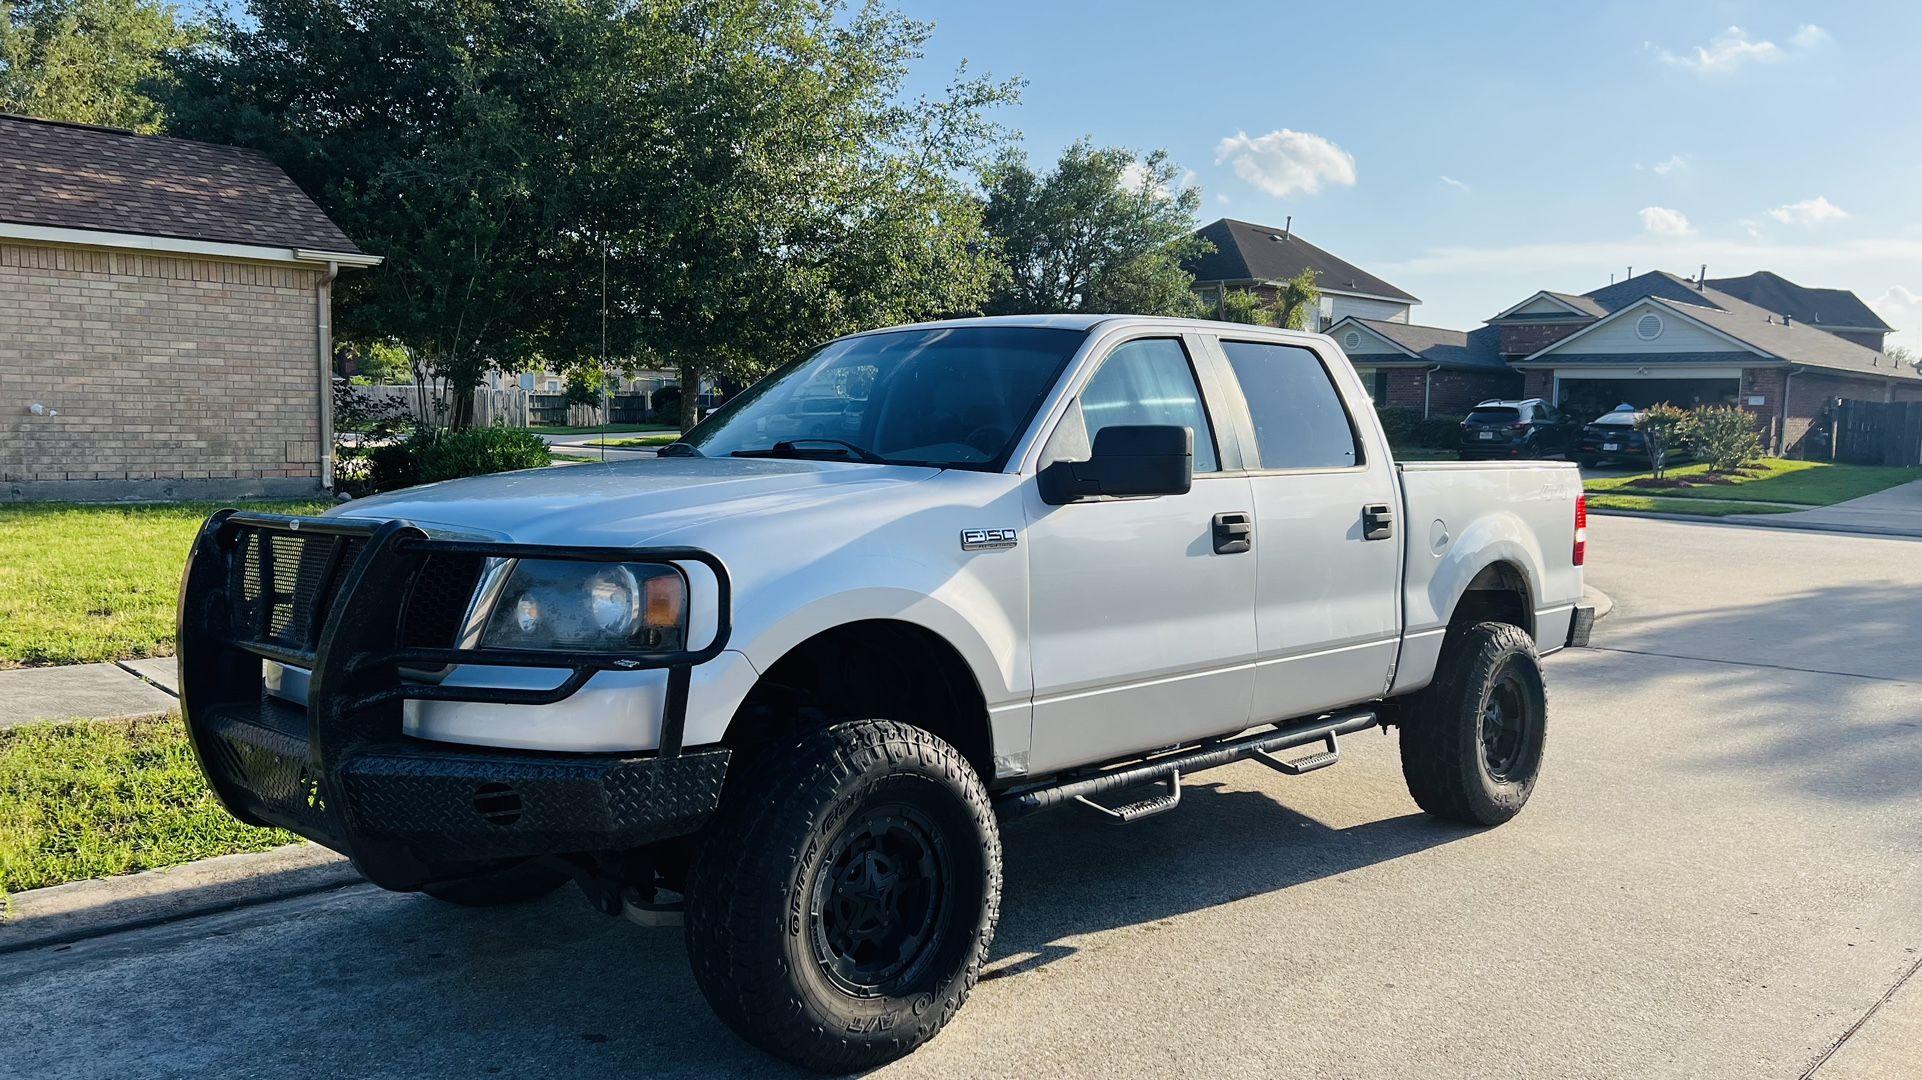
[{"x": 783, "y": 683}]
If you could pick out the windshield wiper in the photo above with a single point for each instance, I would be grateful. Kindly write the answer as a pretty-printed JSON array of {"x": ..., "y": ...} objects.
[{"x": 792, "y": 448}]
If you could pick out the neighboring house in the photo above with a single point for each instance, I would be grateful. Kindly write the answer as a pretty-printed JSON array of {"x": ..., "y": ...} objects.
[
  {"x": 1838, "y": 311},
  {"x": 165, "y": 325},
  {"x": 1659, "y": 337},
  {"x": 1261, "y": 258},
  {"x": 1441, "y": 372}
]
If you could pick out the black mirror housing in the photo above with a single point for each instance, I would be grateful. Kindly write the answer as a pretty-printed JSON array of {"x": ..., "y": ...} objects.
[{"x": 1128, "y": 461}]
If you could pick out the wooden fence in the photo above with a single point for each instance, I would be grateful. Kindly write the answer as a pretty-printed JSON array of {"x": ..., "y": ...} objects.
[{"x": 1879, "y": 432}]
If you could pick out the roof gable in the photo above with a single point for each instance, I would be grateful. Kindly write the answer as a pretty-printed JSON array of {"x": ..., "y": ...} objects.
[
  {"x": 1249, "y": 252},
  {"x": 74, "y": 176},
  {"x": 1422, "y": 344},
  {"x": 1357, "y": 338},
  {"x": 1552, "y": 306},
  {"x": 1627, "y": 331}
]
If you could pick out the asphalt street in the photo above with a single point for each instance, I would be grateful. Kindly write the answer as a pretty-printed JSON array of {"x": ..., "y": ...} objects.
[{"x": 1720, "y": 875}]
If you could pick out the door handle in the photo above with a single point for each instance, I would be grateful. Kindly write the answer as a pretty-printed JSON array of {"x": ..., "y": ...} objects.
[
  {"x": 1234, "y": 533},
  {"x": 1377, "y": 522}
]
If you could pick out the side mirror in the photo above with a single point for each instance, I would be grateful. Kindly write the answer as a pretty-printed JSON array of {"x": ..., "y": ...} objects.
[{"x": 1127, "y": 461}]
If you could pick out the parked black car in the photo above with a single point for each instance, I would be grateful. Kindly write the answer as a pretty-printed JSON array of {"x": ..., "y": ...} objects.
[
  {"x": 1613, "y": 437},
  {"x": 1530, "y": 428}
]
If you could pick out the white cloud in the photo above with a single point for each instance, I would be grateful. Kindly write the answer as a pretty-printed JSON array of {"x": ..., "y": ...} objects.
[
  {"x": 1809, "y": 36},
  {"x": 1135, "y": 176},
  {"x": 1662, "y": 221},
  {"x": 1808, "y": 212},
  {"x": 1454, "y": 183},
  {"x": 1752, "y": 227},
  {"x": 1898, "y": 305},
  {"x": 1221, "y": 197},
  {"x": 1284, "y": 162},
  {"x": 1676, "y": 163},
  {"x": 1733, "y": 49}
]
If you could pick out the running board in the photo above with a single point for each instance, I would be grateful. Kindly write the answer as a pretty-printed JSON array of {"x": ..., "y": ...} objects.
[
  {"x": 1149, "y": 807},
  {"x": 1072, "y": 788}
]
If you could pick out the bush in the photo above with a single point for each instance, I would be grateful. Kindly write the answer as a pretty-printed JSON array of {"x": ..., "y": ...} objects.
[
  {"x": 1665, "y": 427},
  {"x": 1408, "y": 430},
  {"x": 667, "y": 405},
  {"x": 1723, "y": 436},
  {"x": 477, "y": 451}
]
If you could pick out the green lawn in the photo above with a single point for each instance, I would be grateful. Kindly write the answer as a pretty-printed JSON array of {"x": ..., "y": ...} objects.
[
  {"x": 95, "y": 798},
  {"x": 560, "y": 429},
  {"x": 661, "y": 439},
  {"x": 1698, "y": 507},
  {"x": 86, "y": 583},
  {"x": 1805, "y": 483}
]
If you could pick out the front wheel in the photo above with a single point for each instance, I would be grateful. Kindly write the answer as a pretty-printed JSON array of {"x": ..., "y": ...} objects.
[
  {"x": 845, "y": 895},
  {"x": 1471, "y": 746}
]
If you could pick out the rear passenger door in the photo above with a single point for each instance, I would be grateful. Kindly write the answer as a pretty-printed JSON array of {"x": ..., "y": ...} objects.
[{"x": 1327, "y": 598}]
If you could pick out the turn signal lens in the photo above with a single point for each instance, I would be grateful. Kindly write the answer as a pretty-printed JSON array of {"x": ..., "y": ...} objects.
[
  {"x": 1581, "y": 529},
  {"x": 665, "y": 604}
]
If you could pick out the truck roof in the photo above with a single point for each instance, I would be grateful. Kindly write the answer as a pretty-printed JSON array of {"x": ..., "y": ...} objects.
[{"x": 1090, "y": 321}]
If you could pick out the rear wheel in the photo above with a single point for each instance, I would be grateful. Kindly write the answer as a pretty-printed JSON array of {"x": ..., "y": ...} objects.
[
  {"x": 845, "y": 896},
  {"x": 514, "y": 884},
  {"x": 1471, "y": 746}
]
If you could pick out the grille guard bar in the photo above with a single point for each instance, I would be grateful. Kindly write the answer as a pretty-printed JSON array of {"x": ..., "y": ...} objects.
[{"x": 356, "y": 654}]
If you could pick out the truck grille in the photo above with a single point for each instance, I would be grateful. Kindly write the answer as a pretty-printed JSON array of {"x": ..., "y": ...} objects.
[{"x": 286, "y": 583}]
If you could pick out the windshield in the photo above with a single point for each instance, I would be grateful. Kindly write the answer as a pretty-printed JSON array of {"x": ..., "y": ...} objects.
[{"x": 951, "y": 397}]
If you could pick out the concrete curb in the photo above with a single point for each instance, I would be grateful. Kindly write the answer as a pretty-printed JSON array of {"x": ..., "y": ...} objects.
[
  {"x": 1601, "y": 601},
  {"x": 1754, "y": 521},
  {"x": 63, "y": 914}
]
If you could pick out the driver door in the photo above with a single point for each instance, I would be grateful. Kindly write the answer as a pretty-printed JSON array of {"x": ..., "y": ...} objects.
[{"x": 1142, "y": 631}]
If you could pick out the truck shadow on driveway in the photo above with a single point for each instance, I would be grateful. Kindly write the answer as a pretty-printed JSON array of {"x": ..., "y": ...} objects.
[{"x": 1069, "y": 873}]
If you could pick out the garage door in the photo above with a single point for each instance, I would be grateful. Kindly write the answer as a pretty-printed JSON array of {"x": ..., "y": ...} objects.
[{"x": 1585, "y": 396}]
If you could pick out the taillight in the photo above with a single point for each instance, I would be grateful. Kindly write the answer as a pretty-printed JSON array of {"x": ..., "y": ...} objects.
[
  {"x": 1520, "y": 425},
  {"x": 1581, "y": 528}
]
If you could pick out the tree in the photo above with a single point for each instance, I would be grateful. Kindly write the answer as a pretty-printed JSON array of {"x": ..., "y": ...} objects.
[
  {"x": 1724, "y": 436},
  {"x": 88, "y": 61},
  {"x": 1295, "y": 301},
  {"x": 738, "y": 178},
  {"x": 1104, "y": 231},
  {"x": 1663, "y": 428}
]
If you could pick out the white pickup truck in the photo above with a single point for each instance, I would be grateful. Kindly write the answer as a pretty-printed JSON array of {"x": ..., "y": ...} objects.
[{"x": 783, "y": 682}]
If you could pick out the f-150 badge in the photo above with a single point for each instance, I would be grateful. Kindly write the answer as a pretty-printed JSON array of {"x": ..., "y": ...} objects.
[{"x": 987, "y": 539}]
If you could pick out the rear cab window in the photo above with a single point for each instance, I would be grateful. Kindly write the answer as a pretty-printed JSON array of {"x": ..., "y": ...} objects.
[{"x": 1299, "y": 419}]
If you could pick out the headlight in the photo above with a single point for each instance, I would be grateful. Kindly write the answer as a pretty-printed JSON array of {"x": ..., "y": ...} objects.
[{"x": 561, "y": 604}]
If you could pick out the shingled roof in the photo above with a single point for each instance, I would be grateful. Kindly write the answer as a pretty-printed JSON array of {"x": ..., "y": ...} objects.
[
  {"x": 1833, "y": 309},
  {"x": 1480, "y": 348},
  {"x": 1248, "y": 252},
  {"x": 76, "y": 176}
]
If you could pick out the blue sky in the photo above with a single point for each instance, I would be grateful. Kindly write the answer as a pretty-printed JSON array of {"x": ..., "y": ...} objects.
[{"x": 1473, "y": 153}]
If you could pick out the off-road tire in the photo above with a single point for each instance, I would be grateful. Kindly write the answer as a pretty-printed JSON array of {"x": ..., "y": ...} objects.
[
  {"x": 1443, "y": 754},
  {"x": 761, "y": 895},
  {"x": 514, "y": 884}
]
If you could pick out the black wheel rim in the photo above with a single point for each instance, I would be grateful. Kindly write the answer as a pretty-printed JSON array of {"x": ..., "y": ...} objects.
[
  {"x": 878, "y": 902},
  {"x": 1506, "y": 720}
]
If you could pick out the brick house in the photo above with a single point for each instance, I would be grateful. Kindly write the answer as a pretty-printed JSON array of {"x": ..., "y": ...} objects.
[
  {"x": 165, "y": 326},
  {"x": 1261, "y": 258},
  {"x": 1440, "y": 372},
  {"x": 1659, "y": 337}
]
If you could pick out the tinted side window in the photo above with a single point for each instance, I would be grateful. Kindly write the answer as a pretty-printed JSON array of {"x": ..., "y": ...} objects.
[
  {"x": 1299, "y": 419},
  {"x": 1149, "y": 382}
]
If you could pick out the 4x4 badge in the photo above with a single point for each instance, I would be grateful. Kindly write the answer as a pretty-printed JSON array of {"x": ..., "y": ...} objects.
[{"x": 987, "y": 539}]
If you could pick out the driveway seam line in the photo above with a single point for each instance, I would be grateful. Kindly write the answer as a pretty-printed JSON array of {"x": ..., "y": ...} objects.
[
  {"x": 1755, "y": 664},
  {"x": 1809, "y": 1073}
]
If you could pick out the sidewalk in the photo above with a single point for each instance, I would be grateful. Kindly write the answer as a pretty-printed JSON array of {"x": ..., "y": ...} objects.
[
  {"x": 1894, "y": 512},
  {"x": 92, "y": 691}
]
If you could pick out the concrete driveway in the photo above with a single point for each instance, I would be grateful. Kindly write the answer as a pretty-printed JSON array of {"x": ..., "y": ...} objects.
[{"x": 1719, "y": 876}]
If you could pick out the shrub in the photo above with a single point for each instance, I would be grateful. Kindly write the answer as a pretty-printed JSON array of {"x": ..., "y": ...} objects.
[
  {"x": 477, "y": 451},
  {"x": 1665, "y": 427},
  {"x": 1723, "y": 436},
  {"x": 1407, "y": 429}
]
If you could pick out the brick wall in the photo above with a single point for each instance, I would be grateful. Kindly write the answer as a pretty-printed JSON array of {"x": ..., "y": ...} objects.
[
  {"x": 1522, "y": 339},
  {"x": 1810, "y": 393},
  {"x": 1448, "y": 393},
  {"x": 171, "y": 375},
  {"x": 1539, "y": 384}
]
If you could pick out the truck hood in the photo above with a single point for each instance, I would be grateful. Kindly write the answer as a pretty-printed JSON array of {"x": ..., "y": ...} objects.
[{"x": 624, "y": 503}]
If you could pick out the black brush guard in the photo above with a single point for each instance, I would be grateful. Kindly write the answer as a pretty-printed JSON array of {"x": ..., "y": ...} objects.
[{"x": 340, "y": 772}]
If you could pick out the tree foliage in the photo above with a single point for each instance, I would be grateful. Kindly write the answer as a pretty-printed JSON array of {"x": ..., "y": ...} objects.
[
  {"x": 1292, "y": 307},
  {"x": 1663, "y": 428},
  {"x": 88, "y": 61},
  {"x": 742, "y": 177},
  {"x": 1103, "y": 231}
]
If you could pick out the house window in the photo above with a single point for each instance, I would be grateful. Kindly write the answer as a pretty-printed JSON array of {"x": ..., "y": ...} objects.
[
  {"x": 1648, "y": 327},
  {"x": 1378, "y": 388}
]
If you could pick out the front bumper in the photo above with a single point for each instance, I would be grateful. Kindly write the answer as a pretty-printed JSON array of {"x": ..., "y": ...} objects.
[{"x": 340, "y": 772}]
